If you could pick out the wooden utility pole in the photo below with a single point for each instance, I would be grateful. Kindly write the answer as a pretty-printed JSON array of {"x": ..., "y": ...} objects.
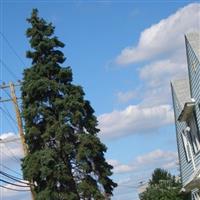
[
  {"x": 19, "y": 120},
  {"x": 19, "y": 123}
]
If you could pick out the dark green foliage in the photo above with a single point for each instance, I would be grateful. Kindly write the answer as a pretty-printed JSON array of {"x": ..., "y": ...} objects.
[
  {"x": 161, "y": 174},
  {"x": 66, "y": 158},
  {"x": 162, "y": 186}
]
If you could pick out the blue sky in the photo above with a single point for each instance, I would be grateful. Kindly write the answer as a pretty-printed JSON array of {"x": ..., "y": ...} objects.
[{"x": 124, "y": 54}]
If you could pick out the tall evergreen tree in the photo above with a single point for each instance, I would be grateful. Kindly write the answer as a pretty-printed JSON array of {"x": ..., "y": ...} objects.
[{"x": 66, "y": 158}]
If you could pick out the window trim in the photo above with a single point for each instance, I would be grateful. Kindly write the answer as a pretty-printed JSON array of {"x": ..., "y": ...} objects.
[
  {"x": 195, "y": 194},
  {"x": 194, "y": 132},
  {"x": 186, "y": 145}
]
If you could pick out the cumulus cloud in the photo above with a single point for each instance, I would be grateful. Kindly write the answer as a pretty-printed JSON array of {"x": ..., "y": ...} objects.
[
  {"x": 158, "y": 156},
  {"x": 149, "y": 161},
  {"x": 124, "y": 97},
  {"x": 158, "y": 72},
  {"x": 120, "y": 168},
  {"x": 140, "y": 170},
  {"x": 8, "y": 135},
  {"x": 134, "y": 119},
  {"x": 164, "y": 43},
  {"x": 157, "y": 75},
  {"x": 10, "y": 160},
  {"x": 164, "y": 37},
  {"x": 10, "y": 148}
]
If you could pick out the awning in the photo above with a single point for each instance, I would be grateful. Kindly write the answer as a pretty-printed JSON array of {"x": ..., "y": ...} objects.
[{"x": 187, "y": 111}]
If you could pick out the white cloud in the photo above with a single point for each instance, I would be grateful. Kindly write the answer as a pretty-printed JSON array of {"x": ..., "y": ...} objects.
[
  {"x": 149, "y": 161},
  {"x": 161, "y": 49},
  {"x": 134, "y": 119},
  {"x": 170, "y": 165},
  {"x": 10, "y": 148},
  {"x": 165, "y": 37},
  {"x": 158, "y": 73},
  {"x": 120, "y": 168},
  {"x": 157, "y": 156},
  {"x": 124, "y": 97},
  {"x": 156, "y": 77},
  {"x": 9, "y": 135},
  {"x": 10, "y": 155},
  {"x": 142, "y": 169}
]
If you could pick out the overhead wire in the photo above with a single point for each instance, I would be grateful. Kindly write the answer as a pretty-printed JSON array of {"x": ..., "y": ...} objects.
[
  {"x": 9, "y": 140},
  {"x": 7, "y": 111},
  {"x": 128, "y": 186},
  {"x": 7, "y": 93},
  {"x": 18, "y": 190},
  {"x": 11, "y": 170},
  {"x": 12, "y": 48},
  {"x": 10, "y": 176},
  {"x": 6, "y": 108},
  {"x": 14, "y": 184},
  {"x": 13, "y": 157},
  {"x": 14, "y": 121},
  {"x": 8, "y": 69},
  {"x": 1, "y": 49},
  {"x": 9, "y": 118},
  {"x": 14, "y": 178}
]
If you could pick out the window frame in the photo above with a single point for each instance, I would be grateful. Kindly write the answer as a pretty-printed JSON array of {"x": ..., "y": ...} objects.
[
  {"x": 186, "y": 144},
  {"x": 194, "y": 137},
  {"x": 195, "y": 194}
]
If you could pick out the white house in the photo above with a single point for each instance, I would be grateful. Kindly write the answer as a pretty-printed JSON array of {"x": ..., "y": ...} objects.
[{"x": 186, "y": 101}]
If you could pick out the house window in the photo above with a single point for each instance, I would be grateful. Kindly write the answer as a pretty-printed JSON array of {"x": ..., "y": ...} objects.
[
  {"x": 193, "y": 133},
  {"x": 196, "y": 194},
  {"x": 190, "y": 137},
  {"x": 186, "y": 139},
  {"x": 194, "y": 65}
]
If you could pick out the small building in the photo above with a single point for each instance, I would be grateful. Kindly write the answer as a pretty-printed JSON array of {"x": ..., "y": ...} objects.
[{"x": 186, "y": 102}]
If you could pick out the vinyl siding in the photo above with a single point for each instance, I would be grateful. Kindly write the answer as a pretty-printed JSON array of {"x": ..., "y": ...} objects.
[
  {"x": 186, "y": 168},
  {"x": 194, "y": 79}
]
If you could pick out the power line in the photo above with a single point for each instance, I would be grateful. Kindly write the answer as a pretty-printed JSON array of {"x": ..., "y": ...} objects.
[
  {"x": 129, "y": 186},
  {"x": 13, "y": 155},
  {"x": 6, "y": 108},
  {"x": 4, "y": 181},
  {"x": 9, "y": 117},
  {"x": 11, "y": 170},
  {"x": 7, "y": 93},
  {"x": 12, "y": 48},
  {"x": 8, "y": 188},
  {"x": 19, "y": 122},
  {"x": 13, "y": 178},
  {"x": 6, "y": 111},
  {"x": 9, "y": 140},
  {"x": 8, "y": 69}
]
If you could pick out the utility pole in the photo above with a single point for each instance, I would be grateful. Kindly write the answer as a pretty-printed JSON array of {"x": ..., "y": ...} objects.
[{"x": 19, "y": 122}]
